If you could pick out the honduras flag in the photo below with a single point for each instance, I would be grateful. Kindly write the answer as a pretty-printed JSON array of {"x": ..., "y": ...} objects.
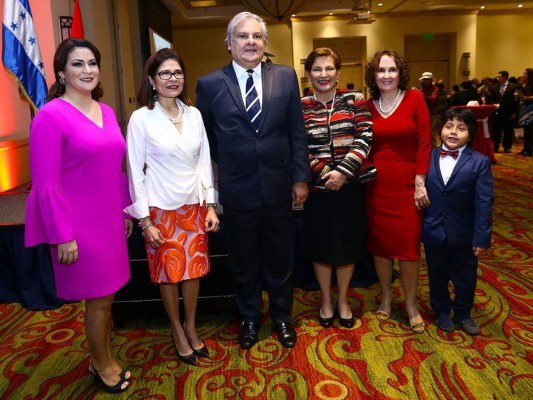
[{"x": 20, "y": 52}]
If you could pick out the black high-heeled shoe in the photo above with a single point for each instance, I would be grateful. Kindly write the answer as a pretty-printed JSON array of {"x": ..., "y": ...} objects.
[
  {"x": 346, "y": 322},
  {"x": 116, "y": 388},
  {"x": 123, "y": 374},
  {"x": 188, "y": 359},
  {"x": 201, "y": 352},
  {"x": 326, "y": 322}
]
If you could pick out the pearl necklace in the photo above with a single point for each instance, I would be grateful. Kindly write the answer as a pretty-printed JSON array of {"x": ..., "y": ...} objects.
[
  {"x": 393, "y": 104},
  {"x": 175, "y": 121}
]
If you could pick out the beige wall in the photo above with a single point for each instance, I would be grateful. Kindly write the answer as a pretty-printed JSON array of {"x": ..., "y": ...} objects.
[
  {"x": 504, "y": 43},
  {"x": 203, "y": 50},
  {"x": 494, "y": 42},
  {"x": 388, "y": 33}
]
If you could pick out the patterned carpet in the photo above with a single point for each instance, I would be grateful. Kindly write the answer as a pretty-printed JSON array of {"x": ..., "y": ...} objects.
[{"x": 43, "y": 355}]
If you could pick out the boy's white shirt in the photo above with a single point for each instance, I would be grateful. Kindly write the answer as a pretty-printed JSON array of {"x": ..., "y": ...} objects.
[{"x": 447, "y": 164}]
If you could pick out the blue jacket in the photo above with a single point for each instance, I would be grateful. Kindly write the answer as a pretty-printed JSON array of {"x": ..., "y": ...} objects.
[
  {"x": 255, "y": 169},
  {"x": 461, "y": 211}
]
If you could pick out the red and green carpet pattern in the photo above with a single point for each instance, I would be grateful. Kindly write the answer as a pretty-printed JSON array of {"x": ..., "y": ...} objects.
[{"x": 43, "y": 355}]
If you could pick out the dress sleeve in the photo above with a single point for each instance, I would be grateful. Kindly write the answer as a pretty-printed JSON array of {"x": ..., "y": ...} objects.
[
  {"x": 135, "y": 160},
  {"x": 205, "y": 168},
  {"x": 48, "y": 212},
  {"x": 423, "y": 128}
]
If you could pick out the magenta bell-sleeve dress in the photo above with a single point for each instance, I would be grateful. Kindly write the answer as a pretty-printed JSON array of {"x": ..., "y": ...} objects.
[{"x": 78, "y": 193}]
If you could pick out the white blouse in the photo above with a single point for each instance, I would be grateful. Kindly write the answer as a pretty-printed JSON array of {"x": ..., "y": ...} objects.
[{"x": 167, "y": 169}]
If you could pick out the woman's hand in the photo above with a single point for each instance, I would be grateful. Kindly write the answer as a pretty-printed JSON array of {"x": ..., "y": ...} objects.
[
  {"x": 153, "y": 237},
  {"x": 421, "y": 195},
  {"x": 67, "y": 253},
  {"x": 128, "y": 226},
  {"x": 212, "y": 224},
  {"x": 334, "y": 180}
]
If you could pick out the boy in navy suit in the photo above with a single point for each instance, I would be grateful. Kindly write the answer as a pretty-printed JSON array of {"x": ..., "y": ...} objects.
[{"x": 457, "y": 225}]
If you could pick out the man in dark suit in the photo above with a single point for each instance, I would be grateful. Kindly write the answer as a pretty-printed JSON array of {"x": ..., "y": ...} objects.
[
  {"x": 253, "y": 117},
  {"x": 457, "y": 225},
  {"x": 505, "y": 119}
]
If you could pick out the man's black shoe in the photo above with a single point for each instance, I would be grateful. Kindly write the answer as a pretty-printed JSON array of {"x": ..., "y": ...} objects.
[
  {"x": 248, "y": 334},
  {"x": 286, "y": 334}
]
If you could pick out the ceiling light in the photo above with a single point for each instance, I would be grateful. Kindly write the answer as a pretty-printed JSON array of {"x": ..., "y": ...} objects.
[
  {"x": 520, "y": 5},
  {"x": 203, "y": 3},
  {"x": 482, "y": 7},
  {"x": 380, "y": 4}
]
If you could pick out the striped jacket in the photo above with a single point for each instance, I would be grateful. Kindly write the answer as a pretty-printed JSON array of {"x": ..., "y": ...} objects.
[{"x": 339, "y": 136}]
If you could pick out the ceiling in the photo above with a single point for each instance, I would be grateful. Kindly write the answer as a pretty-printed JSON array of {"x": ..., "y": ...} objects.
[{"x": 187, "y": 12}]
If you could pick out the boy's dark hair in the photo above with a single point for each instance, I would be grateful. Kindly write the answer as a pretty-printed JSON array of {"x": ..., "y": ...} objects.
[{"x": 463, "y": 115}]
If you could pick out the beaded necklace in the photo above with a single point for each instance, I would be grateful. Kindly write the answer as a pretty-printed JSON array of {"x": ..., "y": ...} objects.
[
  {"x": 175, "y": 121},
  {"x": 393, "y": 104}
]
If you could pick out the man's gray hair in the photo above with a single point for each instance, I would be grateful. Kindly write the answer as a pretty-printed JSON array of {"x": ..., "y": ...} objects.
[{"x": 237, "y": 19}]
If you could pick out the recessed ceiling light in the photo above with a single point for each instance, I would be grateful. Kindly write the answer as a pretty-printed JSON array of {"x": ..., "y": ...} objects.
[
  {"x": 293, "y": 15},
  {"x": 482, "y": 7},
  {"x": 380, "y": 4},
  {"x": 330, "y": 13},
  {"x": 203, "y": 3},
  {"x": 520, "y": 5}
]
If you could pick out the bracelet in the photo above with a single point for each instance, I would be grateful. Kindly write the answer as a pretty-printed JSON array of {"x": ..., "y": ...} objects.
[
  {"x": 145, "y": 227},
  {"x": 213, "y": 205}
]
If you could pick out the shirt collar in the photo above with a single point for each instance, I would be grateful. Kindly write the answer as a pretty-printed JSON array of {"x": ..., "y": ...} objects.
[
  {"x": 461, "y": 149},
  {"x": 240, "y": 72}
]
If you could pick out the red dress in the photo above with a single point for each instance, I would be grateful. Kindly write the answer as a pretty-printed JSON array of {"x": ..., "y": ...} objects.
[{"x": 400, "y": 150}]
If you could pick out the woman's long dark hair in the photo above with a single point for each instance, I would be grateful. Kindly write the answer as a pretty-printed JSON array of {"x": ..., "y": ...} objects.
[
  {"x": 60, "y": 61},
  {"x": 146, "y": 95}
]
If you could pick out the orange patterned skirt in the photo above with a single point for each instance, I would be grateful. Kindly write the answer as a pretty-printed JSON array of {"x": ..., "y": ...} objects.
[{"x": 184, "y": 254}]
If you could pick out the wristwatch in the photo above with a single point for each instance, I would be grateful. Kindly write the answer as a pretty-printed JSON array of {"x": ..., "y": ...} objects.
[{"x": 214, "y": 205}]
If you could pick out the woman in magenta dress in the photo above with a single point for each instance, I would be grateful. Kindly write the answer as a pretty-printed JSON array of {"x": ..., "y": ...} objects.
[
  {"x": 78, "y": 193},
  {"x": 401, "y": 152}
]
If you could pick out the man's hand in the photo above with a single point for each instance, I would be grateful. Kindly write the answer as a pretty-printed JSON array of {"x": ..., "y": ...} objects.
[{"x": 300, "y": 191}]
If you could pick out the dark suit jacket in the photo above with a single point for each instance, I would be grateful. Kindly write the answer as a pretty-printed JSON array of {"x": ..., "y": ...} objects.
[
  {"x": 461, "y": 211},
  {"x": 507, "y": 101},
  {"x": 255, "y": 169}
]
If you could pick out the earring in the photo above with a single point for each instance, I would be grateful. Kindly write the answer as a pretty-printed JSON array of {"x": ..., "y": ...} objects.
[
  {"x": 62, "y": 81},
  {"x": 153, "y": 88}
]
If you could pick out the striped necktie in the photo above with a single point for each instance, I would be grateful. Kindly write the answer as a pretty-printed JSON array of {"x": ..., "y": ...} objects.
[{"x": 253, "y": 106}]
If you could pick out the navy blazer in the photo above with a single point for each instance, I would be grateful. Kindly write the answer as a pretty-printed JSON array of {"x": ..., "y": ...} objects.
[
  {"x": 461, "y": 211},
  {"x": 255, "y": 169}
]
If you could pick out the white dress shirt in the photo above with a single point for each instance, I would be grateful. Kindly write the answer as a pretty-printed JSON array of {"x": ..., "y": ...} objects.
[
  {"x": 242, "y": 77},
  {"x": 178, "y": 165},
  {"x": 447, "y": 164}
]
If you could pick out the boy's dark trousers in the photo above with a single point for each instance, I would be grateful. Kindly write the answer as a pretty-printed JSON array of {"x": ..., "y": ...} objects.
[{"x": 458, "y": 265}]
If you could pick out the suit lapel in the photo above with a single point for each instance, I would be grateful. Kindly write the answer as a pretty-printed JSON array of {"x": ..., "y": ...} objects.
[
  {"x": 233, "y": 86},
  {"x": 267, "y": 78},
  {"x": 467, "y": 153},
  {"x": 436, "y": 164}
]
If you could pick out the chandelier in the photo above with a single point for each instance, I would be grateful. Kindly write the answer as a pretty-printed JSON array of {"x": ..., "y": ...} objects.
[{"x": 279, "y": 9}]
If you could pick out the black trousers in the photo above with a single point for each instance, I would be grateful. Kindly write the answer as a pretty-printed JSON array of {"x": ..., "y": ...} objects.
[
  {"x": 260, "y": 244},
  {"x": 506, "y": 127},
  {"x": 458, "y": 266}
]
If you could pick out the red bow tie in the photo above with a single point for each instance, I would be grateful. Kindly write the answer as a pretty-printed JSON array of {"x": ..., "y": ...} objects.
[{"x": 454, "y": 153}]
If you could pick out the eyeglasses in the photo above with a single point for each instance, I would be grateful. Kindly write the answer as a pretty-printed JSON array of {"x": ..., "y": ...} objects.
[{"x": 166, "y": 75}]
